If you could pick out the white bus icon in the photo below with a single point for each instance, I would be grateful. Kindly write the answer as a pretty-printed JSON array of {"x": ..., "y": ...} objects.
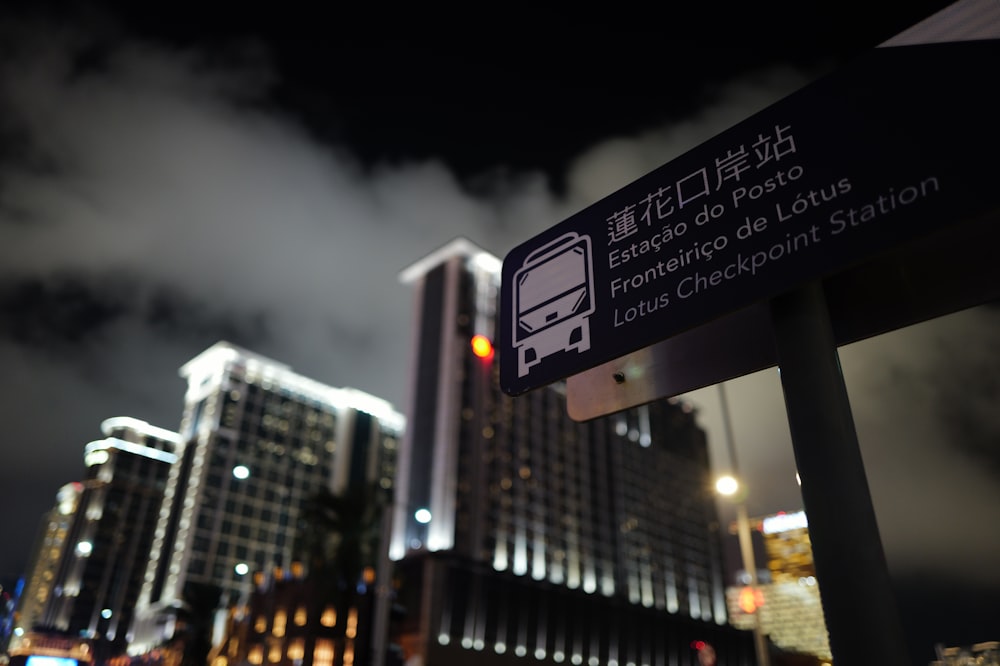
[{"x": 553, "y": 300}]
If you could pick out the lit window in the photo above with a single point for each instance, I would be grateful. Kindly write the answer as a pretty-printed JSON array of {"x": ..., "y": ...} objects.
[
  {"x": 329, "y": 617},
  {"x": 296, "y": 649},
  {"x": 352, "y": 623},
  {"x": 280, "y": 620},
  {"x": 256, "y": 654},
  {"x": 300, "y": 616},
  {"x": 323, "y": 654}
]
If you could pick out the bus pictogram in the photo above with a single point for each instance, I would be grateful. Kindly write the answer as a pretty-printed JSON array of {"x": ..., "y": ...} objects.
[{"x": 553, "y": 300}]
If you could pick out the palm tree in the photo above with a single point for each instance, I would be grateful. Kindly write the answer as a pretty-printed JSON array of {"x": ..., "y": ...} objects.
[
  {"x": 338, "y": 537},
  {"x": 194, "y": 622}
]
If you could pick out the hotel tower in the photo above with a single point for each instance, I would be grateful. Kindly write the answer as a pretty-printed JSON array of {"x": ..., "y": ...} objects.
[
  {"x": 257, "y": 443},
  {"x": 520, "y": 534},
  {"x": 88, "y": 565}
]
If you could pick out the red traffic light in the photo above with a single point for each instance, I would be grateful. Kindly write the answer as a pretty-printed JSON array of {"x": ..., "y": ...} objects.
[
  {"x": 482, "y": 346},
  {"x": 750, "y": 599}
]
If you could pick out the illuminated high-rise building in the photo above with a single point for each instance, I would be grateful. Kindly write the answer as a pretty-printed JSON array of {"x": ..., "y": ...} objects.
[
  {"x": 258, "y": 442},
  {"x": 89, "y": 562},
  {"x": 520, "y": 533}
]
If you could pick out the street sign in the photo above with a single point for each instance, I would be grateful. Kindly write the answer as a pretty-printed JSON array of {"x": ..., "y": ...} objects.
[{"x": 900, "y": 144}]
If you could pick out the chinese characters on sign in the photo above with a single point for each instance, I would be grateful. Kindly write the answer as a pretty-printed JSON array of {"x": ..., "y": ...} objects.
[{"x": 661, "y": 203}]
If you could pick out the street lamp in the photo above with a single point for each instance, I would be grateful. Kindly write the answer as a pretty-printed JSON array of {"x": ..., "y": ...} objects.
[
  {"x": 383, "y": 576},
  {"x": 729, "y": 486}
]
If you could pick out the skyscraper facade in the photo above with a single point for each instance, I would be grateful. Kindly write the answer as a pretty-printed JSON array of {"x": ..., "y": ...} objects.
[
  {"x": 534, "y": 535},
  {"x": 89, "y": 563},
  {"x": 258, "y": 441}
]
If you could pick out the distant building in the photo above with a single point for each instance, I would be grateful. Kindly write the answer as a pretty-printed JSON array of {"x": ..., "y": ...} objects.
[
  {"x": 90, "y": 558},
  {"x": 792, "y": 612},
  {"x": 258, "y": 441},
  {"x": 986, "y": 653},
  {"x": 289, "y": 621},
  {"x": 520, "y": 534}
]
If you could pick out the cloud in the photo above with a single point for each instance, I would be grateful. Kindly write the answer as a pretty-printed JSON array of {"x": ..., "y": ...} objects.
[{"x": 925, "y": 410}]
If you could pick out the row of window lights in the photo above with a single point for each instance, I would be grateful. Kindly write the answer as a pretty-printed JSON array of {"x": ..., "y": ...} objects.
[
  {"x": 322, "y": 655},
  {"x": 327, "y": 619},
  {"x": 500, "y": 648}
]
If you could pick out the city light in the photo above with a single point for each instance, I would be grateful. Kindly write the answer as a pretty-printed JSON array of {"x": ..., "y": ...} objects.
[
  {"x": 750, "y": 599},
  {"x": 727, "y": 485},
  {"x": 422, "y": 516},
  {"x": 241, "y": 472},
  {"x": 482, "y": 347},
  {"x": 783, "y": 522}
]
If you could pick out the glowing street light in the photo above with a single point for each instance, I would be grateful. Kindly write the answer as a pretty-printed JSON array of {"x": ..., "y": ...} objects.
[{"x": 729, "y": 486}]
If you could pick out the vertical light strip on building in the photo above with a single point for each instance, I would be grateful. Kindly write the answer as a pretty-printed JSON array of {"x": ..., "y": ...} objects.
[
  {"x": 500, "y": 561},
  {"x": 594, "y": 656},
  {"x": 539, "y": 552},
  {"x": 673, "y": 602},
  {"x": 520, "y": 567},
  {"x": 441, "y": 530},
  {"x": 541, "y": 629},
  {"x": 646, "y": 571},
  {"x": 500, "y": 646},
  {"x": 444, "y": 629},
  {"x": 521, "y": 645},
  {"x": 694, "y": 596},
  {"x": 482, "y": 607},
  {"x": 471, "y": 614},
  {"x": 559, "y": 642}
]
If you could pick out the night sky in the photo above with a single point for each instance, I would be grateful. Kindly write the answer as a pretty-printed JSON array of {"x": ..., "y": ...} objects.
[{"x": 172, "y": 175}]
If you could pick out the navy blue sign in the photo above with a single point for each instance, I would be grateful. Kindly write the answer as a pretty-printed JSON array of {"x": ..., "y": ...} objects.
[{"x": 903, "y": 142}]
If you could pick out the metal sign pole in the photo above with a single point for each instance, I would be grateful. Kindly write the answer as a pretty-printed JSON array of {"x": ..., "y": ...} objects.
[{"x": 858, "y": 601}]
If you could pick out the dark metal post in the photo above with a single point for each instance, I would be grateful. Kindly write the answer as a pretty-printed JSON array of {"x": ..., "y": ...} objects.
[{"x": 858, "y": 601}]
